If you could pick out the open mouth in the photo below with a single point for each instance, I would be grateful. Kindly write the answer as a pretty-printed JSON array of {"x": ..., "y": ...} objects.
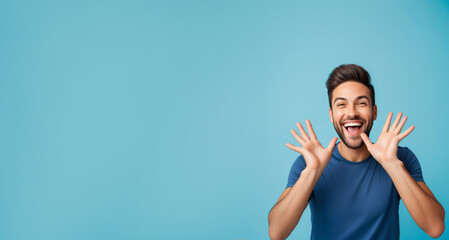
[{"x": 353, "y": 128}]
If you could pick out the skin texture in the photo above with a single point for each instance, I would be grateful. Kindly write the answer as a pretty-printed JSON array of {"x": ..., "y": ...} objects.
[{"x": 351, "y": 102}]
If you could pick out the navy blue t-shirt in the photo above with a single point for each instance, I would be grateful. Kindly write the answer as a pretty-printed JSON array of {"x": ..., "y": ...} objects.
[{"x": 355, "y": 200}]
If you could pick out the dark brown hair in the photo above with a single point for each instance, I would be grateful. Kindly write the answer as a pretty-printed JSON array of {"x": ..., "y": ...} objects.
[{"x": 348, "y": 72}]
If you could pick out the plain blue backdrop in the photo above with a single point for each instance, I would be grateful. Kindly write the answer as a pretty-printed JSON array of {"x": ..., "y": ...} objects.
[{"x": 168, "y": 119}]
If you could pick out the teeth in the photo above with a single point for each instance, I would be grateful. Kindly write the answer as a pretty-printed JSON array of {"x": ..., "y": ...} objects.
[{"x": 352, "y": 124}]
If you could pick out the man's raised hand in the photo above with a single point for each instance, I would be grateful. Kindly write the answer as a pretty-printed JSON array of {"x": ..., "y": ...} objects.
[
  {"x": 315, "y": 155},
  {"x": 386, "y": 147}
]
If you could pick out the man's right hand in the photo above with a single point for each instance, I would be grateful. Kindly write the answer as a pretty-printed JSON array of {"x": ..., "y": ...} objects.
[
  {"x": 315, "y": 155},
  {"x": 285, "y": 214}
]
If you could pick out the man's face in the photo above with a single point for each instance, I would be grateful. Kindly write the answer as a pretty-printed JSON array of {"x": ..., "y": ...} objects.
[{"x": 352, "y": 112}]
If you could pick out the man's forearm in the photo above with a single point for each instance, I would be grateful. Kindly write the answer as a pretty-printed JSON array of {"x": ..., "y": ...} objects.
[
  {"x": 284, "y": 216},
  {"x": 425, "y": 210}
]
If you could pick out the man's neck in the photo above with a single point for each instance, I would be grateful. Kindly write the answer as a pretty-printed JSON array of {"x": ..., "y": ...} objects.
[{"x": 353, "y": 155}]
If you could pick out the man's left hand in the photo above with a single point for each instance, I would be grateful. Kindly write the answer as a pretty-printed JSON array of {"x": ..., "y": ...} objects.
[{"x": 386, "y": 147}]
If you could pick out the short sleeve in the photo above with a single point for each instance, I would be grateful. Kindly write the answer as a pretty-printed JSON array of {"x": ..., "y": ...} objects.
[
  {"x": 411, "y": 163},
  {"x": 295, "y": 171}
]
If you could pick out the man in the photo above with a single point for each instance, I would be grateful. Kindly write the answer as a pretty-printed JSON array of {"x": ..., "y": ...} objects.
[{"x": 354, "y": 186}]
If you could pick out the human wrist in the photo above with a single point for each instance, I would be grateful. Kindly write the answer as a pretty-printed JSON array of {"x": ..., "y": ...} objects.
[
  {"x": 317, "y": 170},
  {"x": 392, "y": 164},
  {"x": 311, "y": 174}
]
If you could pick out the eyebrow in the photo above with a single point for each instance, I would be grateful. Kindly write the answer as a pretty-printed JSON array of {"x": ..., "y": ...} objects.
[{"x": 358, "y": 98}]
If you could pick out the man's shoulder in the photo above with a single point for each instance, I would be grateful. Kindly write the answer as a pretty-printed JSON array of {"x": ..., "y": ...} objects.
[
  {"x": 300, "y": 162},
  {"x": 406, "y": 155},
  {"x": 411, "y": 163},
  {"x": 404, "y": 150}
]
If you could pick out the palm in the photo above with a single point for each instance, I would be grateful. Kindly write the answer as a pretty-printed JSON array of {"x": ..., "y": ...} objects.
[
  {"x": 386, "y": 147},
  {"x": 314, "y": 154}
]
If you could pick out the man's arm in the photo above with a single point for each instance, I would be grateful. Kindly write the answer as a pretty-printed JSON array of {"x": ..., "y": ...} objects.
[
  {"x": 425, "y": 210},
  {"x": 422, "y": 205},
  {"x": 285, "y": 214}
]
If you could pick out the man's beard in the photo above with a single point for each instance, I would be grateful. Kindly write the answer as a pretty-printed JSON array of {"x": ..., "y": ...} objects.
[{"x": 343, "y": 137}]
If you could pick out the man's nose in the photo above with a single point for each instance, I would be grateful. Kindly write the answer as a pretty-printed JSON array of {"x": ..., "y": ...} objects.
[{"x": 352, "y": 111}]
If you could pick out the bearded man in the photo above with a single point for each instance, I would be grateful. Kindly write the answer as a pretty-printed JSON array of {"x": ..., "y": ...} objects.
[{"x": 354, "y": 186}]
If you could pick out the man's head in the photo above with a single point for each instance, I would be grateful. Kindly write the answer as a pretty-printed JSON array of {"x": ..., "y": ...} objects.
[{"x": 352, "y": 109}]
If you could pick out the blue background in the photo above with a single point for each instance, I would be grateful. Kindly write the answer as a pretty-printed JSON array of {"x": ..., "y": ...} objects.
[{"x": 168, "y": 119}]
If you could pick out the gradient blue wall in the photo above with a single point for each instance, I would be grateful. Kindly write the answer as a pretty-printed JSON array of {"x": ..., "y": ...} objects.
[{"x": 168, "y": 119}]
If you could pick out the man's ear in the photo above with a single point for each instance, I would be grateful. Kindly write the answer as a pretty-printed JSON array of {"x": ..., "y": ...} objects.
[
  {"x": 375, "y": 112},
  {"x": 330, "y": 115}
]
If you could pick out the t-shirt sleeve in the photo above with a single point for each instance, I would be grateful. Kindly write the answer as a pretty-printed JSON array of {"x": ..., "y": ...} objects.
[
  {"x": 295, "y": 171},
  {"x": 411, "y": 163}
]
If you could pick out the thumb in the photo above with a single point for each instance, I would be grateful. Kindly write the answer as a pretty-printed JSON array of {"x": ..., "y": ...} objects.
[
  {"x": 332, "y": 143},
  {"x": 366, "y": 140}
]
